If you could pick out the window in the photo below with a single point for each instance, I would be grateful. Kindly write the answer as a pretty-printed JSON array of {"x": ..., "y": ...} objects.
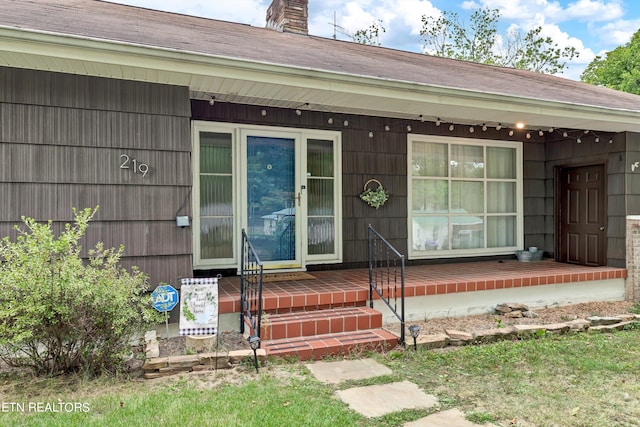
[{"x": 464, "y": 197}]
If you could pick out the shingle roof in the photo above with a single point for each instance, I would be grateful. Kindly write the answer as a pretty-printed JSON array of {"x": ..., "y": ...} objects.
[{"x": 108, "y": 21}]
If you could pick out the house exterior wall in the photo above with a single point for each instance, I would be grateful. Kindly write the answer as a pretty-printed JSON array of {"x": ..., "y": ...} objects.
[
  {"x": 384, "y": 157},
  {"x": 562, "y": 152},
  {"x": 63, "y": 142}
]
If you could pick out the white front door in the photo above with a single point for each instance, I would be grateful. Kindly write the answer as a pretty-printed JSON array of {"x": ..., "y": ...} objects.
[{"x": 281, "y": 185}]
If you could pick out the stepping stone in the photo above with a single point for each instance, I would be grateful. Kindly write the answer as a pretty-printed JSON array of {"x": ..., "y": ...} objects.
[
  {"x": 378, "y": 400},
  {"x": 450, "y": 418},
  {"x": 337, "y": 372}
]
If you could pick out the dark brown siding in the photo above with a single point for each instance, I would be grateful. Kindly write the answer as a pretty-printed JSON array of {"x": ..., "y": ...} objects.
[
  {"x": 562, "y": 152},
  {"x": 61, "y": 141},
  {"x": 383, "y": 157}
]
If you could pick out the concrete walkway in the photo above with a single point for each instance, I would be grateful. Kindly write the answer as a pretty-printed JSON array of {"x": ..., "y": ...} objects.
[{"x": 381, "y": 399}]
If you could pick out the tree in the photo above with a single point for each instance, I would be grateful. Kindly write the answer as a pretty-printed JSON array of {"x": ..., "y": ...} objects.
[
  {"x": 618, "y": 69},
  {"x": 61, "y": 313},
  {"x": 477, "y": 41},
  {"x": 370, "y": 35}
]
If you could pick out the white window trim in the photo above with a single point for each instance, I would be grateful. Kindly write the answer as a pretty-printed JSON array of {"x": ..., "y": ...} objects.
[
  {"x": 236, "y": 130},
  {"x": 455, "y": 253}
]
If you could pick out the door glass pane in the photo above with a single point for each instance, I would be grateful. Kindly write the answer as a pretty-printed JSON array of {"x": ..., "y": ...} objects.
[
  {"x": 467, "y": 161},
  {"x": 271, "y": 197},
  {"x": 319, "y": 158},
  {"x": 320, "y": 197},
  {"x": 216, "y": 196},
  {"x": 321, "y": 235},
  {"x": 320, "y": 194}
]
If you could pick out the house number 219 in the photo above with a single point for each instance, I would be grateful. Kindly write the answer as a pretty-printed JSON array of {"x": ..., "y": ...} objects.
[{"x": 127, "y": 162}]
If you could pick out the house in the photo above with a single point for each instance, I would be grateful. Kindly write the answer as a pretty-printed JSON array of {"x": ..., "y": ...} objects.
[{"x": 156, "y": 115}]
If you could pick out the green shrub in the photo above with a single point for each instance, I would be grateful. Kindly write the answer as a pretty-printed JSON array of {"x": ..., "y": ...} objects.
[{"x": 61, "y": 313}]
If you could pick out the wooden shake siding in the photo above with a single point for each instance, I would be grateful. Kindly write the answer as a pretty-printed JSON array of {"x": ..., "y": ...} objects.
[
  {"x": 61, "y": 141},
  {"x": 383, "y": 157}
]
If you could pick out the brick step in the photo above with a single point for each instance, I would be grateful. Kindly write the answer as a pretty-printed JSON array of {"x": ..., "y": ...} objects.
[
  {"x": 312, "y": 300},
  {"x": 319, "y": 322},
  {"x": 320, "y": 346}
]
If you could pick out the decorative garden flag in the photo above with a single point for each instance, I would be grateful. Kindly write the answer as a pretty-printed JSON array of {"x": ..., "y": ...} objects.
[{"x": 199, "y": 306}]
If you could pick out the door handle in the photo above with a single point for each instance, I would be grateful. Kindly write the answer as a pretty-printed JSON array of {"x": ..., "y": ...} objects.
[
  {"x": 602, "y": 228},
  {"x": 298, "y": 197}
]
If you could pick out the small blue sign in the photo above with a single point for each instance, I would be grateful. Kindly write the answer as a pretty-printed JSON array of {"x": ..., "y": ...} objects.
[{"x": 165, "y": 298}]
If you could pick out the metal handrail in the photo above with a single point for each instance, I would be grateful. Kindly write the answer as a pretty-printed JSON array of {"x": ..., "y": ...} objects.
[
  {"x": 386, "y": 269},
  {"x": 251, "y": 271}
]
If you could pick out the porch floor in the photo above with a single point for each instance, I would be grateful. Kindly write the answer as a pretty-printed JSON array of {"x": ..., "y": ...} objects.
[{"x": 351, "y": 287}]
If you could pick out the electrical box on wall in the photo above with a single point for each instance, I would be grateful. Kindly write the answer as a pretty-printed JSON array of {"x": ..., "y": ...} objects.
[{"x": 182, "y": 221}]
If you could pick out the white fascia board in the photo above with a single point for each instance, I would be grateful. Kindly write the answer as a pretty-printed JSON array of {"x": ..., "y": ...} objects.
[{"x": 188, "y": 63}]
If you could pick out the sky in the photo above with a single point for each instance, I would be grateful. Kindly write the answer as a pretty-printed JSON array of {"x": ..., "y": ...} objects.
[{"x": 593, "y": 27}]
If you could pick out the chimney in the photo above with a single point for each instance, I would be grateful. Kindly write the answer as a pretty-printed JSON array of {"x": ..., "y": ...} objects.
[{"x": 289, "y": 16}]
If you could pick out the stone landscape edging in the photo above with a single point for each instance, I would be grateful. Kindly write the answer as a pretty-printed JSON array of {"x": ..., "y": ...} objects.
[{"x": 452, "y": 337}]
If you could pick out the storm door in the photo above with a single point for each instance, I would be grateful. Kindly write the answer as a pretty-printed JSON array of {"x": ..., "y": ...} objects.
[
  {"x": 583, "y": 216},
  {"x": 272, "y": 199}
]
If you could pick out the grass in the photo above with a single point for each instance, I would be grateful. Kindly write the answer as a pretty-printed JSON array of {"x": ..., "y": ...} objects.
[{"x": 574, "y": 380}]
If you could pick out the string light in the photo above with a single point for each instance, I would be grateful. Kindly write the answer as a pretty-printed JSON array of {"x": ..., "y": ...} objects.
[
  {"x": 408, "y": 128},
  {"x": 438, "y": 121},
  {"x": 212, "y": 101},
  {"x": 346, "y": 123},
  {"x": 263, "y": 112},
  {"x": 421, "y": 118},
  {"x": 540, "y": 132},
  {"x": 330, "y": 120},
  {"x": 471, "y": 129},
  {"x": 387, "y": 128},
  {"x": 578, "y": 140},
  {"x": 451, "y": 127},
  {"x": 370, "y": 134},
  {"x": 484, "y": 127},
  {"x": 499, "y": 126}
]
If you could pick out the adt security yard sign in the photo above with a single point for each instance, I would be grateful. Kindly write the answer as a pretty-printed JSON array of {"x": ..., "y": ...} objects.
[{"x": 165, "y": 298}]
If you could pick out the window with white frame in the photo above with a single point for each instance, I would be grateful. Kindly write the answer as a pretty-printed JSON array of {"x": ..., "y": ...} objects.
[{"x": 465, "y": 196}]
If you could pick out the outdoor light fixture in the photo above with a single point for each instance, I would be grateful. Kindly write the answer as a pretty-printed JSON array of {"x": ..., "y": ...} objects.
[
  {"x": 438, "y": 121},
  {"x": 451, "y": 128},
  {"x": 212, "y": 100},
  {"x": 540, "y": 132},
  {"x": 330, "y": 120},
  {"x": 520, "y": 125},
  {"x": 511, "y": 132},
  {"x": 370, "y": 134},
  {"x": 346, "y": 123},
  {"x": 387, "y": 128},
  {"x": 408, "y": 128},
  {"x": 254, "y": 343},
  {"x": 263, "y": 112},
  {"x": 414, "y": 330},
  {"x": 579, "y": 141},
  {"x": 298, "y": 112},
  {"x": 421, "y": 118},
  {"x": 551, "y": 130},
  {"x": 471, "y": 129},
  {"x": 565, "y": 134},
  {"x": 484, "y": 128},
  {"x": 499, "y": 126}
]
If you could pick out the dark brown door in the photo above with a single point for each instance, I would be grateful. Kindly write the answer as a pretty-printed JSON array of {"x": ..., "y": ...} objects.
[{"x": 582, "y": 215}]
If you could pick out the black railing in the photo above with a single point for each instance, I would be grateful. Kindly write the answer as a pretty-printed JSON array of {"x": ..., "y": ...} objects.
[
  {"x": 250, "y": 288},
  {"x": 386, "y": 276}
]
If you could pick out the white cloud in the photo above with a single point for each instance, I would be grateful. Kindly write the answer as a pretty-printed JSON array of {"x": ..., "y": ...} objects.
[
  {"x": 619, "y": 32},
  {"x": 594, "y": 11}
]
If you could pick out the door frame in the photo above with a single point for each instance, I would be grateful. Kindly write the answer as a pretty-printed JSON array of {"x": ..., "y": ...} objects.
[
  {"x": 303, "y": 135},
  {"x": 560, "y": 220}
]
